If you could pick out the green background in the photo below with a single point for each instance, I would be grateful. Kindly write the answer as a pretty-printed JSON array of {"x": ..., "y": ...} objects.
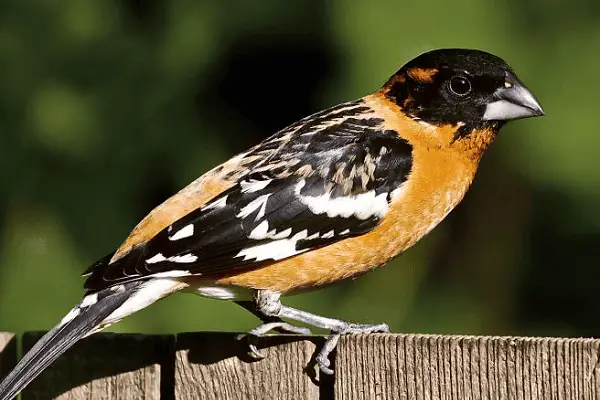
[{"x": 107, "y": 108}]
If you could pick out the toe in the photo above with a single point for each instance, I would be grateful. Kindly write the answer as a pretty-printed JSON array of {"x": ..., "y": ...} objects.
[
  {"x": 324, "y": 363},
  {"x": 254, "y": 352}
]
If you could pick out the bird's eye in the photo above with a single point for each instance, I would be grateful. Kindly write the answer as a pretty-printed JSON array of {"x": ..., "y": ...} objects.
[{"x": 460, "y": 85}]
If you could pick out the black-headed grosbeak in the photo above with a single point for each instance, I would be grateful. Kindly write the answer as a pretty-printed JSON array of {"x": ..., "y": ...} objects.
[{"x": 330, "y": 197}]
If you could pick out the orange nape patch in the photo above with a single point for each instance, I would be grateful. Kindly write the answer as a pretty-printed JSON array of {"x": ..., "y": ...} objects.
[
  {"x": 424, "y": 75},
  {"x": 397, "y": 78}
]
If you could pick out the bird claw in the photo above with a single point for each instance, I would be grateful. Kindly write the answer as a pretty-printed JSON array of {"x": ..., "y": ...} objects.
[
  {"x": 262, "y": 330},
  {"x": 254, "y": 352},
  {"x": 323, "y": 364},
  {"x": 322, "y": 359}
]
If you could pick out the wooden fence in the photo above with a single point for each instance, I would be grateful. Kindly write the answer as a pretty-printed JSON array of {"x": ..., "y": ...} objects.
[{"x": 210, "y": 365}]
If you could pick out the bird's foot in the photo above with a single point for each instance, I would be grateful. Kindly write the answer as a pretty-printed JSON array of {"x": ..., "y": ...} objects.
[
  {"x": 262, "y": 330},
  {"x": 322, "y": 359}
]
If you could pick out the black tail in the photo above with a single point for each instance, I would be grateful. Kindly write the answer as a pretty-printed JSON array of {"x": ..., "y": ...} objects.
[{"x": 81, "y": 321}]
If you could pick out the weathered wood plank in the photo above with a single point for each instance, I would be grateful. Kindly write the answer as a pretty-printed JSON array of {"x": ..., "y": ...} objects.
[
  {"x": 107, "y": 366},
  {"x": 8, "y": 352},
  {"x": 215, "y": 366},
  {"x": 390, "y": 366}
]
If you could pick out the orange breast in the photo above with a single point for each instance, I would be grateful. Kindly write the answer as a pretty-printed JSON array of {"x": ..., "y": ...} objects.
[{"x": 442, "y": 172}]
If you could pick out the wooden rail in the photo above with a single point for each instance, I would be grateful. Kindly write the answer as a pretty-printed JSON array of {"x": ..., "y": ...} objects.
[{"x": 378, "y": 366}]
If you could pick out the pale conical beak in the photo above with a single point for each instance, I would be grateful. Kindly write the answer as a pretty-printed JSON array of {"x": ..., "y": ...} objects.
[{"x": 513, "y": 101}]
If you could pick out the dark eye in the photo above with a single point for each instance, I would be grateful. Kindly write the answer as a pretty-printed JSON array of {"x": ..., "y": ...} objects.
[{"x": 460, "y": 85}]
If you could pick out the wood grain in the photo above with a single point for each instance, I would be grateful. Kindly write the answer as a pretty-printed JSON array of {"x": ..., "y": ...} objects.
[
  {"x": 216, "y": 366},
  {"x": 379, "y": 366},
  {"x": 8, "y": 352},
  {"x": 390, "y": 366},
  {"x": 107, "y": 366}
]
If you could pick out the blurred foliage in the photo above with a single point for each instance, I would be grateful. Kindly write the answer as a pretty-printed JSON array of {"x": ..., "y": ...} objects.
[{"x": 108, "y": 107}]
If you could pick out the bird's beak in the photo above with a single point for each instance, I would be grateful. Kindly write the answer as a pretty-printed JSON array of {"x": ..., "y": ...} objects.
[{"x": 513, "y": 101}]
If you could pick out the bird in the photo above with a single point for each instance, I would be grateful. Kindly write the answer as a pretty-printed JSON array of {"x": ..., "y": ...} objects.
[{"x": 330, "y": 197}]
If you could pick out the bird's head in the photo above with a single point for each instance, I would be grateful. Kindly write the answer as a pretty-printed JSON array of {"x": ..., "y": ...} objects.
[{"x": 470, "y": 89}]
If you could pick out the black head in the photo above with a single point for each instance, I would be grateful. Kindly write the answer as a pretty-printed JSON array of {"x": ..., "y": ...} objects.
[{"x": 469, "y": 88}]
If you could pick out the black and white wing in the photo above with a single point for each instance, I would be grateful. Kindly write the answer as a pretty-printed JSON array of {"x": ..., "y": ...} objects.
[{"x": 324, "y": 179}]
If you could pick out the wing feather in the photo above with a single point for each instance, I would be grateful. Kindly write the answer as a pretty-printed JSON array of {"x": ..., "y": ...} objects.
[{"x": 319, "y": 181}]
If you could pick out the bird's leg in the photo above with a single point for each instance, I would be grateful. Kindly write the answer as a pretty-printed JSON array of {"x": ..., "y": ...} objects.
[
  {"x": 269, "y": 304},
  {"x": 269, "y": 323},
  {"x": 250, "y": 305}
]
